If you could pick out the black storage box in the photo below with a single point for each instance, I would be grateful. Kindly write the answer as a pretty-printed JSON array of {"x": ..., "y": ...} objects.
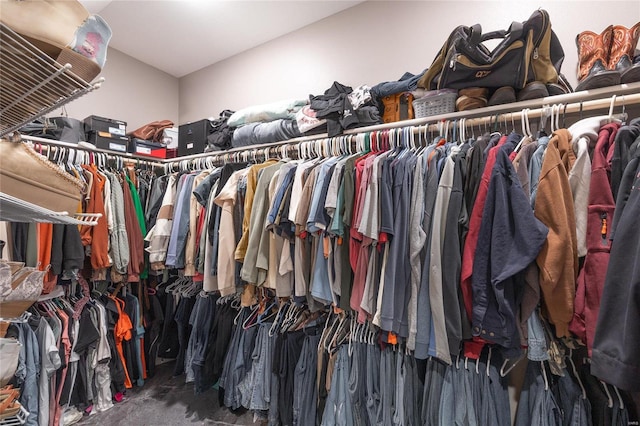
[
  {"x": 192, "y": 137},
  {"x": 105, "y": 140},
  {"x": 93, "y": 123}
]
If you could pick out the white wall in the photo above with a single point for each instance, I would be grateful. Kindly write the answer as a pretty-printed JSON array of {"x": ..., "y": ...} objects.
[
  {"x": 132, "y": 91},
  {"x": 376, "y": 41}
]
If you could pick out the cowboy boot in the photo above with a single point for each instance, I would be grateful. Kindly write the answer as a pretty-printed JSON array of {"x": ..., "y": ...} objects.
[
  {"x": 593, "y": 58},
  {"x": 623, "y": 47}
]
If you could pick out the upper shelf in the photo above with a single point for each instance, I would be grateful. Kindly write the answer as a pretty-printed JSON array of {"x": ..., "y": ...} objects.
[
  {"x": 15, "y": 210},
  {"x": 32, "y": 83}
]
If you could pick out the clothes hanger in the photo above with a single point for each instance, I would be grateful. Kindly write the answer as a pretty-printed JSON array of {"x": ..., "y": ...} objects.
[
  {"x": 611, "y": 105},
  {"x": 489, "y": 361},
  {"x": 328, "y": 332},
  {"x": 338, "y": 339},
  {"x": 620, "y": 401},
  {"x": 544, "y": 376},
  {"x": 352, "y": 329},
  {"x": 606, "y": 391},
  {"x": 524, "y": 115},
  {"x": 503, "y": 372},
  {"x": 250, "y": 321}
]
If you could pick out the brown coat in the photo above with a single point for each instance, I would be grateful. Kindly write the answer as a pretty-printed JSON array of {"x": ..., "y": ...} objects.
[
  {"x": 96, "y": 236},
  {"x": 558, "y": 259}
]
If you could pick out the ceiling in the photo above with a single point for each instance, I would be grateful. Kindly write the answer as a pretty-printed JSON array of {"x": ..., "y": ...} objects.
[{"x": 183, "y": 36}]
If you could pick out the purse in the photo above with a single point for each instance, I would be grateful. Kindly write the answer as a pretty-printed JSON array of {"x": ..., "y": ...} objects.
[
  {"x": 529, "y": 51},
  {"x": 29, "y": 176},
  {"x": 153, "y": 131}
]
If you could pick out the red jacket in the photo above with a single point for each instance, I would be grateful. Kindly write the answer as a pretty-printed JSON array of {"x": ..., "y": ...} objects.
[{"x": 599, "y": 220}]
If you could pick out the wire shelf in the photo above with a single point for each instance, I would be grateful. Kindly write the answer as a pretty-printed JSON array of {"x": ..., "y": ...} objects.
[
  {"x": 13, "y": 209},
  {"x": 32, "y": 83}
]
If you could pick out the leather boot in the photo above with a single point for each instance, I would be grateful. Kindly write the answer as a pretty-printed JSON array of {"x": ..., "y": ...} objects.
[
  {"x": 623, "y": 47},
  {"x": 593, "y": 59}
]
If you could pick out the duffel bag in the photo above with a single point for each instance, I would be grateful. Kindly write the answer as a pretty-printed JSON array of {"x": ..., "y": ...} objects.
[{"x": 529, "y": 51}]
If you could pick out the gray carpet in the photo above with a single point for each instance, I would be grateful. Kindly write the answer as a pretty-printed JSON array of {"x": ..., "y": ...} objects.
[{"x": 165, "y": 400}]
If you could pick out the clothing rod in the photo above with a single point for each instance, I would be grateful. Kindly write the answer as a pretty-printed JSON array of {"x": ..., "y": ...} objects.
[
  {"x": 620, "y": 101},
  {"x": 626, "y": 94},
  {"x": 124, "y": 155}
]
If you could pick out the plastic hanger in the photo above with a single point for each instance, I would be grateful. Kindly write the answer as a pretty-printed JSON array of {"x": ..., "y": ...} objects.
[
  {"x": 503, "y": 372},
  {"x": 489, "y": 361},
  {"x": 524, "y": 121},
  {"x": 250, "y": 321},
  {"x": 606, "y": 391},
  {"x": 544, "y": 376},
  {"x": 620, "y": 401},
  {"x": 611, "y": 105}
]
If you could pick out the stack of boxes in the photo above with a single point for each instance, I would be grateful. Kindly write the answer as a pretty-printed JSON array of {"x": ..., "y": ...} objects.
[
  {"x": 110, "y": 134},
  {"x": 107, "y": 133}
]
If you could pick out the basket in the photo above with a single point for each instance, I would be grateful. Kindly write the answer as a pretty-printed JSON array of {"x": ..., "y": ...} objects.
[{"x": 435, "y": 102}]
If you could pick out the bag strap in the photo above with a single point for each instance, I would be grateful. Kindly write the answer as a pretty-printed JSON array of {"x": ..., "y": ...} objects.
[
  {"x": 476, "y": 35},
  {"x": 514, "y": 32}
]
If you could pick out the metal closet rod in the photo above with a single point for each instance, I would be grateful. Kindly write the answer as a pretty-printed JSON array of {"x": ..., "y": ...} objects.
[
  {"x": 621, "y": 101},
  {"x": 125, "y": 156},
  {"x": 502, "y": 113}
]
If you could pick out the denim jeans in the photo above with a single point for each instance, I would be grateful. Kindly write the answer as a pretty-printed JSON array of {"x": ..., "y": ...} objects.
[
  {"x": 412, "y": 392},
  {"x": 226, "y": 381},
  {"x": 357, "y": 376},
  {"x": 338, "y": 410},
  {"x": 499, "y": 394},
  {"x": 537, "y": 406},
  {"x": 284, "y": 366},
  {"x": 240, "y": 366},
  {"x": 576, "y": 411},
  {"x": 387, "y": 384},
  {"x": 448, "y": 400},
  {"x": 255, "y": 388},
  {"x": 305, "y": 391},
  {"x": 433, "y": 391},
  {"x": 274, "y": 413},
  {"x": 372, "y": 393},
  {"x": 464, "y": 408},
  {"x": 399, "y": 414}
]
